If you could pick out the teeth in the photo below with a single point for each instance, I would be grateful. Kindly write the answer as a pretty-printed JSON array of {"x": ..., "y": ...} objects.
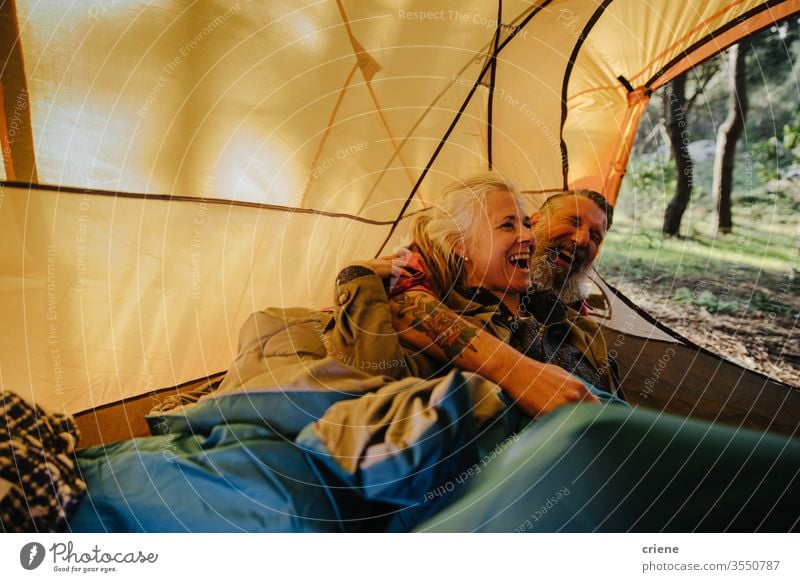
[
  {"x": 520, "y": 260},
  {"x": 562, "y": 255}
]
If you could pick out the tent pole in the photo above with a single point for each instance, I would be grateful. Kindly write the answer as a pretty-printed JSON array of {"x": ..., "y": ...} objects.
[
  {"x": 15, "y": 120},
  {"x": 489, "y": 126},
  {"x": 752, "y": 22},
  {"x": 453, "y": 124},
  {"x": 637, "y": 104}
]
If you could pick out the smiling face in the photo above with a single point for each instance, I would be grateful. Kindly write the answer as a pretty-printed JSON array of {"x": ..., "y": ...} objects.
[
  {"x": 569, "y": 232},
  {"x": 499, "y": 251}
]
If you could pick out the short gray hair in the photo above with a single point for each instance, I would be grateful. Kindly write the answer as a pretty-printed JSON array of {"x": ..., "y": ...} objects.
[{"x": 599, "y": 200}]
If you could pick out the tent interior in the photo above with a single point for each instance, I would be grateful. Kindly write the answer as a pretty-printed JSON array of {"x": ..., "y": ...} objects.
[{"x": 172, "y": 167}]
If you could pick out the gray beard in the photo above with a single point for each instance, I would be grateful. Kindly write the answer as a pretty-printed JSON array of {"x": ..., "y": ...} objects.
[{"x": 546, "y": 277}]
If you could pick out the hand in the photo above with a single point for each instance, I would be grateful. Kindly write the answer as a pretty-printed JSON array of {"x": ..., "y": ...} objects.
[
  {"x": 396, "y": 265},
  {"x": 540, "y": 388},
  {"x": 385, "y": 267}
]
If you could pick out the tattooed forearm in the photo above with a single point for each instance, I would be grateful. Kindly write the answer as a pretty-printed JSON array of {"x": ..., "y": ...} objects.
[{"x": 440, "y": 324}]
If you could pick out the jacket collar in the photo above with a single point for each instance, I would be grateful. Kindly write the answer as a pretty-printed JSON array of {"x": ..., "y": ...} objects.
[{"x": 471, "y": 300}]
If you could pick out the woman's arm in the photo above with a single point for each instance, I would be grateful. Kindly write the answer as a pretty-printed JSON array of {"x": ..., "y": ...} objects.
[
  {"x": 361, "y": 334},
  {"x": 425, "y": 323},
  {"x": 422, "y": 321}
]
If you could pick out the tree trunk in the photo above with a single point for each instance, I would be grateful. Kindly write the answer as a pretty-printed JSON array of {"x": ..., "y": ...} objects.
[
  {"x": 677, "y": 128},
  {"x": 728, "y": 135}
]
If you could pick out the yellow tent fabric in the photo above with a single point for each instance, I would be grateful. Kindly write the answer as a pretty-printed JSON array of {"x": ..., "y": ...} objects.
[{"x": 195, "y": 162}]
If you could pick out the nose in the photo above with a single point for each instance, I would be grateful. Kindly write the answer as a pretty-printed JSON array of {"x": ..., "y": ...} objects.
[
  {"x": 525, "y": 235},
  {"x": 580, "y": 237}
]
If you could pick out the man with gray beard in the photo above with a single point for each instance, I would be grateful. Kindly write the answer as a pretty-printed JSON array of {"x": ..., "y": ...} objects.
[{"x": 569, "y": 230}]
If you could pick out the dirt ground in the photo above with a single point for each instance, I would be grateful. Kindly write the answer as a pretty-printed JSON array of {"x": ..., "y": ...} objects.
[{"x": 760, "y": 332}]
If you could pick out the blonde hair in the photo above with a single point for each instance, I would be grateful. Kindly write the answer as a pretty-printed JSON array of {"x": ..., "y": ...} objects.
[{"x": 445, "y": 231}]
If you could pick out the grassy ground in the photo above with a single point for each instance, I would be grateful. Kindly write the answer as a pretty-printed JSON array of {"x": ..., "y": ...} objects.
[{"x": 735, "y": 294}]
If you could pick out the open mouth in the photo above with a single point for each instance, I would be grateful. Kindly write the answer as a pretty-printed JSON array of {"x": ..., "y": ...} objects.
[
  {"x": 561, "y": 257},
  {"x": 520, "y": 260}
]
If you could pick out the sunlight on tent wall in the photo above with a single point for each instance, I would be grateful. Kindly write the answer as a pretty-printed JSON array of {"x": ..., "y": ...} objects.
[
  {"x": 132, "y": 100},
  {"x": 126, "y": 296},
  {"x": 251, "y": 170},
  {"x": 265, "y": 103}
]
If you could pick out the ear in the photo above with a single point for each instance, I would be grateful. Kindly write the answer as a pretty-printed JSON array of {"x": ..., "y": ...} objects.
[
  {"x": 460, "y": 248},
  {"x": 535, "y": 218}
]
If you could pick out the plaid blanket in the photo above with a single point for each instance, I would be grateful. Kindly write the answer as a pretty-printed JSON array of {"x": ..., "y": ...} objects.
[{"x": 39, "y": 481}]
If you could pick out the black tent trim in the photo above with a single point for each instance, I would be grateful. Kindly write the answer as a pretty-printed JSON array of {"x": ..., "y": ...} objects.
[
  {"x": 453, "y": 124},
  {"x": 489, "y": 126},
  {"x": 194, "y": 199},
  {"x": 712, "y": 35},
  {"x": 565, "y": 85}
]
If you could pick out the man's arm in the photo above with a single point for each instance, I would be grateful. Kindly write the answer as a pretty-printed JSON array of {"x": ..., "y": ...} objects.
[{"x": 422, "y": 321}]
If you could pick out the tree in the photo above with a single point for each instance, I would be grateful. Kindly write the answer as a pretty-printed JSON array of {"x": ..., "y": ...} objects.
[
  {"x": 675, "y": 114},
  {"x": 676, "y": 110},
  {"x": 728, "y": 135},
  {"x": 772, "y": 84}
]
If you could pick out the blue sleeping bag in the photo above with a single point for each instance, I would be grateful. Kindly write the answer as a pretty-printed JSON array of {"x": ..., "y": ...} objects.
[
  {"x": 410, "y": 456},
  {"x": 252, "y": 461}
]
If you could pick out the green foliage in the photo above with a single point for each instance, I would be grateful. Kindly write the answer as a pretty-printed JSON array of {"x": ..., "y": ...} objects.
[
  {"x": 791, "y": 137},
  {"x": 772, "y": 83},
  {"x": 732, "y": 274},
  {"x": 650, "y": 178},
  {"x": 765, "y": 244},
  {"x": 648, "y": 184},
  {"x": 772, "y": 88},
  {"x": 770, "y": 53},
  {"x": 766, "y": 159},
  {"x": 773, "y": 155},
  {"x": 706, "y": 299}
]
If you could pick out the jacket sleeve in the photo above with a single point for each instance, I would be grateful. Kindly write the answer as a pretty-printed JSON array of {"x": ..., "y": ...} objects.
[{"x": 361, "y": 334}]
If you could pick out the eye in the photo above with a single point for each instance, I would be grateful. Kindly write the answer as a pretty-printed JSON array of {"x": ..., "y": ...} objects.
[{"x": 507, "y": 226}]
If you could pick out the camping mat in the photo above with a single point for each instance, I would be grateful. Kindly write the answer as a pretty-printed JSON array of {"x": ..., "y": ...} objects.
[{"x": 612, "y": 469}]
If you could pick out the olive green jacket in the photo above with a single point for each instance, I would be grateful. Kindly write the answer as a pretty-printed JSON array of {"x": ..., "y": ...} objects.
[{"x": 362, "y": 305}]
